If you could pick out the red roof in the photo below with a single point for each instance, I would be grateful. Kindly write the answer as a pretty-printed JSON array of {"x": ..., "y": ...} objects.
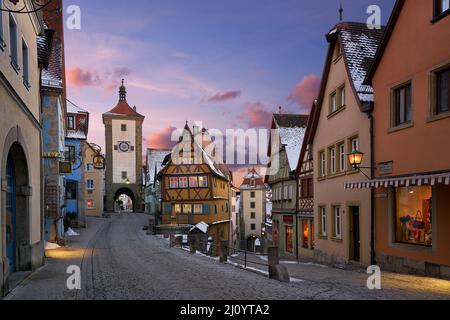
[{"x": 124, "y": 108}]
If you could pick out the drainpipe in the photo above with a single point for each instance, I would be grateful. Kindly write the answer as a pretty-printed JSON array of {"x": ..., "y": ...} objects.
[{"x": 372, "y": 192}]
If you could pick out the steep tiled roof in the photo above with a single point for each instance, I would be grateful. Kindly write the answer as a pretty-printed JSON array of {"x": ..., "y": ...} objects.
[
  {"x": 73, "y": 108},
  {"x": 124, "y": 109},
  {"x": 291, "y": 120},
  {"x": 292, "y": 128},
  {"x": 359, "y": 46}
]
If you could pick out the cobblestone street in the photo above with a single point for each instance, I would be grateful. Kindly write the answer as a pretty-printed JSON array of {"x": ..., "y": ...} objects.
[{"x": 119, "y": 261}]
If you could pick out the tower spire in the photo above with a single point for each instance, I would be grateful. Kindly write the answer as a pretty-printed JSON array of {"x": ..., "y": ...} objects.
[
  {"x": 122, "y": 92},
  {"x": 341, "y": 13}
]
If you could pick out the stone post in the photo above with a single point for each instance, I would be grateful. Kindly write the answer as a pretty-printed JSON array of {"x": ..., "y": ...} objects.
[
  {"x": 276, "y": 270},
  {"x": 223, "y": 251}
]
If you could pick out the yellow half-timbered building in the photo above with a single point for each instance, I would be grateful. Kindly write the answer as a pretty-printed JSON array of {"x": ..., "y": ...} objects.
[{"x": 194, "y": 188}]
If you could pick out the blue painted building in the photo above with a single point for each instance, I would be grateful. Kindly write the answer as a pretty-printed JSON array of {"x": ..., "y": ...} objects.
[
  {"x": 53, "y": 108},
  {"x": 75, "y": 147}
]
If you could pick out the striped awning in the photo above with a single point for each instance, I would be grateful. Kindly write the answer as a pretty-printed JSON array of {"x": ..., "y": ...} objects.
[{"x": 417, "y": 180}]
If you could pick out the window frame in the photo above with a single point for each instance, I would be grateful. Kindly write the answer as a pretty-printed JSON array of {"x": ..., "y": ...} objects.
[
  {"x": 183, "y": 182},
  {"x": 123, "y": 127},
  {"x": 332, "y": 159},
  {"x": 394, "y": 121},
  {"x": 434, "y": 113},
  {"x": 342, "y": 157},
  {"x": 204, "y": 180},
  {"x": 73, "y": 122},
  {"x": 25, "y": 64},
  {"x": 173, "y": 183},
  {"x": 2, "y": 29},
  {"x": 322, "y": 164},
  {"x": 14, "y": 46},
  {"x": 90, "y": 184},
  {"x": 323, "y": 221},
  {"x": 333, "y": 99},
  {"x": 337, "y": 222}
]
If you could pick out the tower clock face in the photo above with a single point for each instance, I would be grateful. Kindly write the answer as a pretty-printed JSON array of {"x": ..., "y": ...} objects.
[{"x": 124, "y": 147}]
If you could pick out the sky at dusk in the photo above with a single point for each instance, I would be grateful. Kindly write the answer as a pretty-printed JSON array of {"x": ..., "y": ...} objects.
[{"x": 228, "y": 63}]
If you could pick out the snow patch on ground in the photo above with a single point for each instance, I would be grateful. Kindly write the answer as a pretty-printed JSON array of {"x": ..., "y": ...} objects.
[
  {"x": 72, "y": 233},
  {"x": 51, "y": 246}
]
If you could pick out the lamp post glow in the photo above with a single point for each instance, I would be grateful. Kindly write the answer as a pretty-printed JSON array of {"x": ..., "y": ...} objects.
[
  {"x": 128, "y": 182},
  {"x": 355, "y": 158}
]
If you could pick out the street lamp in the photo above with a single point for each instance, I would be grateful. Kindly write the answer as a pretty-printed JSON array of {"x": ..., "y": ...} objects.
[
  {"x": 128, "y": 181},
  {"x": 356, "y": 158}
]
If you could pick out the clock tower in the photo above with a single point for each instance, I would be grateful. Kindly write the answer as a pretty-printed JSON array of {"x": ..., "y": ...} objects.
[{"x": 123, "y": 131}]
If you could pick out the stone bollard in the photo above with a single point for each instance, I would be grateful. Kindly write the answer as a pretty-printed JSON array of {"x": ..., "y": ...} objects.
[
  {"x": 192, "y": 246},
  {"x": 276, "y": 270},
  {"x": 223, "y": 251}
]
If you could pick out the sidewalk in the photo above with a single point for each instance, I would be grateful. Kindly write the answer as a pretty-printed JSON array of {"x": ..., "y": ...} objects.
[{"x": 353, "y": 279}]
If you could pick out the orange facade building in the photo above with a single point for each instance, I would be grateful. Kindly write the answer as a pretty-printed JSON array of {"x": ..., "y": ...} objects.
[{"x": 411, "y": 129}]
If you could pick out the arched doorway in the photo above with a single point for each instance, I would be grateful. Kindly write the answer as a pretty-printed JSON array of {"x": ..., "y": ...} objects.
[
  {"x": 124, "y": 200},
  {"x": 253, "y": 243},
  {"x": 17, "y": 228}
]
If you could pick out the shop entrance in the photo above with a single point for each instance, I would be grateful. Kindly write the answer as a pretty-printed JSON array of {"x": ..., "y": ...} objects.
[{"x": 355, "y": 247}]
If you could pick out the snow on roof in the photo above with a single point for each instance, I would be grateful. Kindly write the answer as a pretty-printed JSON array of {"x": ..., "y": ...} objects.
[
  {"x": 202, "y": 226},
  {"x": 155, "y": 158},
  {"x": 360, "y": 45},
  {"x": 76, "y": 135},
  {"x": 73, "y": 108},
  {"x": 292, "y": 139}
]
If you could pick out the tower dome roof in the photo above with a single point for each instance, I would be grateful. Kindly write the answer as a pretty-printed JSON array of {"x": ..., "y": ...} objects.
[{"x": 123, "y": 108}]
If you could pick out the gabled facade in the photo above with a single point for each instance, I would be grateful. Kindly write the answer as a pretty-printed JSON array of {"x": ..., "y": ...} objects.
[
  {"x": 342, "y": 219},
  {"x": 280, "y": 176},
  {"x": 195, "y": 189},
  {"x": 253, "y": 211},
  {"x": 411, "y": 81}
]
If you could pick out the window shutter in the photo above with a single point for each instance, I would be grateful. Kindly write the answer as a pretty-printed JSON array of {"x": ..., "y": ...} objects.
[
  {"x": 206, "y": 208},
  {"x": 168, "y": 208}
]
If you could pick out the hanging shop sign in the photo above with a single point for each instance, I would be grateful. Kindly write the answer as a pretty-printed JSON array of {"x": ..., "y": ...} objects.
[
  {"x": 65, "y": 167},
  {"x": 99, "y": 162}
]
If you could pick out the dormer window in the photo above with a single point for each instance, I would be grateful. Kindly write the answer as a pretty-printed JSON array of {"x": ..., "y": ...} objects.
[
  {"x": 253, "y": 183},
  {"x": 70, "y": 122}
]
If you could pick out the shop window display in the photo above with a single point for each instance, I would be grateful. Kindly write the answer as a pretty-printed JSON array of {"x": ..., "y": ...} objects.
[{"x": 414, "y": 215}]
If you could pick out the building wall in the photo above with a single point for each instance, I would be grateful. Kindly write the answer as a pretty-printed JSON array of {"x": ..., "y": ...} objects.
[
  {"x": 27, "y": 29},
  {"x": 53, "y": 134},
  {"x": 124, "y": 161},
  {"x": 413, "y": 51},
  {"x": 20, "y": 124},
  {"x": 259, "y": 210},
  {"x": 330, "y": 192},
  {"x": 97, "y": 194}
]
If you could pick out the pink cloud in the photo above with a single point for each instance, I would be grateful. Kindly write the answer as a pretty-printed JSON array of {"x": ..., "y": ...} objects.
[
  {"x": 257, "y": 115},
  {"x": 80, "y": 78},
  {"x": 162, "y": 139},
  {"x": 305, "y": 91},
  {"x": 224, "y": 96}
]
